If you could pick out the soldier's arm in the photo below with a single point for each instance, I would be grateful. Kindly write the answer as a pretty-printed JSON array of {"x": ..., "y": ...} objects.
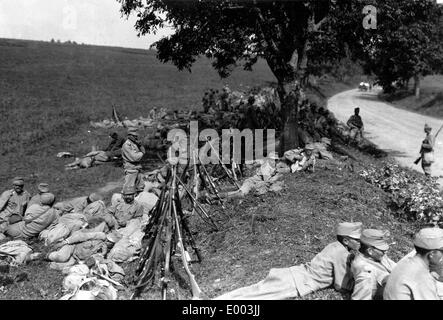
[
  {"x": 4, "y": 198},
  {"x": 132, "y": 153},
  {"x": 32, "y": 214},
  {"x": 139, "y": 212},
  {"x": 426, "y": 145},
  {"x": 364, "y": 282},
  {"x": 350, "y": 122}
]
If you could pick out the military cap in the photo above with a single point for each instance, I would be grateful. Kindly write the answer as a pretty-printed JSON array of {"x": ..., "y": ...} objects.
[
  {"x": 47, "y": 199},
  {"x": 429, "y": 238},
  {"x": 375, "y": 238},
  {"x": 350, "y": 229},
  {"x": 18, "y": 181},
  {"x": 43, "y": 187},
  {"x": 93, "y": 197}
]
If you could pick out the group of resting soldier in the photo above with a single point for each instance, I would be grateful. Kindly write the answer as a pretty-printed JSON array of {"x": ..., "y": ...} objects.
[
  {"x": 357, "y": 265},
  {"x": 24, "y": 217}
]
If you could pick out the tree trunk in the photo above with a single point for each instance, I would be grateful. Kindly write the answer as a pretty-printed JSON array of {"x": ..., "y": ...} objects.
[
  {"x": 417, "y": 87},
  {"x": 288, "y": 76},
  {"x": 289, "y": 96}
]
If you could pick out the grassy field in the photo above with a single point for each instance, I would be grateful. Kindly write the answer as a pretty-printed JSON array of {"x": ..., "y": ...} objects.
[
  {"x": 50, "y": 92},
  {"x": 431, "y": 97}
]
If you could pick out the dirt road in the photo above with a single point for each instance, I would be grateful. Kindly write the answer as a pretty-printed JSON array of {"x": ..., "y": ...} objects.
[{"x": 394, "y": 130}]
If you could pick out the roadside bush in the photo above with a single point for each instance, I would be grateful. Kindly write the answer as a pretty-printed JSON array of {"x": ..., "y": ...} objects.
[{"x": 413, "y": 196}]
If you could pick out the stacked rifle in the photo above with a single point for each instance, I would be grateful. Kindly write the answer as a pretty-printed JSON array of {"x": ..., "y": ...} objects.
[{"x": 168, "y": 234}]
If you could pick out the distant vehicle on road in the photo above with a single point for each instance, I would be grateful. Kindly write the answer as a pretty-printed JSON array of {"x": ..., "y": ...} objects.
[{"x": 363, "y": 86}]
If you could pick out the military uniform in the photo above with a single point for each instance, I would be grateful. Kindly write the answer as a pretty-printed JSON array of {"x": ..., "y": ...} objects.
[
  {"x": 427, "y": 151},
  {"x": 13, "y": 204},
  {"x": 132, "y": 154},
  {"x": 328, "y": 268},
  {"x": 355, "y": 124},
  {"x": 411, "y": 279},
  {"x": 369, "y": 274},
  {"x": 122, "y": 212},
  {"x": 42, "y": 188}
]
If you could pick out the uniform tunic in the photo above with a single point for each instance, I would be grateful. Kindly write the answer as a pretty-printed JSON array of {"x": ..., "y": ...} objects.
[
  {"x": 35, "y": 200},
  {"x": 370, "y": 277},
  {"x": 123, "y": 212},
  {"x": 37, "y": 218},
  {"x": 13, "y": 203},
  {"x": 427, "y": 153},
  {"x": 132, "y": 154},
  {"x": 330, "y": 267},
  {"x": 411, "y": 280}
]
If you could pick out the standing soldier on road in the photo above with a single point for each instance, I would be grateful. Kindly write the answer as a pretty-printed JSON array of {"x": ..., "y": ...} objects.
[
  {"x": 355, "y": 123},
  {"x": 427, "y": 151},
  {"x": 132, "y": 153}
]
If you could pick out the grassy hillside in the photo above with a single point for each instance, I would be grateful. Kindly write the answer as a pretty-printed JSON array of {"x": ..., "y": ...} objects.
[
  {"x": 431, "y": 97},
  {"x": 50, "y": 92}
]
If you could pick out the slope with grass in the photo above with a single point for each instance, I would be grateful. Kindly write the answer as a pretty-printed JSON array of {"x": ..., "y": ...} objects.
[
  {"x": 431, "y": 97},
  {"x": 50, "y": 92}
]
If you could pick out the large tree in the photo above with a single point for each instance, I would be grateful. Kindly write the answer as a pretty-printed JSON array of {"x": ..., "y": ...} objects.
[
  {"x": 235, "y": 32},
  {"x": 407, "y": 43}
]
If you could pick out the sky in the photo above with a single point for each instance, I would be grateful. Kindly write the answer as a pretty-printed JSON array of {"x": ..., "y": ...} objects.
[{"x": 96, "y": 22}]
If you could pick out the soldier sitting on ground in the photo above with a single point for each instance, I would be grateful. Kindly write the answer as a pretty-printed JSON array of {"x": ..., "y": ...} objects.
[
  {"x": 306, "y": 161},
  {"x": 42, "y": 189},
  {"x": 118, "y": 215},
  {"x": 13, "y": 202},
  {"x": 356, "y": 127},
  {"x": 37, "y": 218}
]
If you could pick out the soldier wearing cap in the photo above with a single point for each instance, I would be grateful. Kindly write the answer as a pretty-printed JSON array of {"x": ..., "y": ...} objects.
[
  {"x": 411, "y": 279},
  {"x": 132, "y": 153},
  {"x": 355, "y": 124},
  {"x": 13, "y": 202},
  {"x": 371, "y": 268},
  {"x": 118, "y": 215},
  {"x": 37, "y": 218},
  {"x": 427, "y": 151},
  {"x": 42, "y": 188},
  {"x": 306, "y": 160},
  {"x": 330, "y": 267}
]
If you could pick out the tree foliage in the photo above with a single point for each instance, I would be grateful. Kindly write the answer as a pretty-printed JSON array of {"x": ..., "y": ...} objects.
[
  {"x": 407, "y": 43},
  {"x": 233, "y": 33}
]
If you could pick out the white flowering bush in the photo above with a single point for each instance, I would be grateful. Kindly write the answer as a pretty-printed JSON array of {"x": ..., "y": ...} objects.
[{"x": 413, "y": 195}]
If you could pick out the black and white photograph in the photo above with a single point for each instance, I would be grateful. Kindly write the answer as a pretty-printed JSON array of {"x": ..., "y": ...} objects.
[{"x": 221, "y": 154}]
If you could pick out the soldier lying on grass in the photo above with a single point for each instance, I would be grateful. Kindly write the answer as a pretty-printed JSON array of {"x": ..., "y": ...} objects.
[{"x": 330, "y": 267}]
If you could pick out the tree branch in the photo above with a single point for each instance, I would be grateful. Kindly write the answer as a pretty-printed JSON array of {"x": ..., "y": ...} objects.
[{"x": 318, "y": 25}]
